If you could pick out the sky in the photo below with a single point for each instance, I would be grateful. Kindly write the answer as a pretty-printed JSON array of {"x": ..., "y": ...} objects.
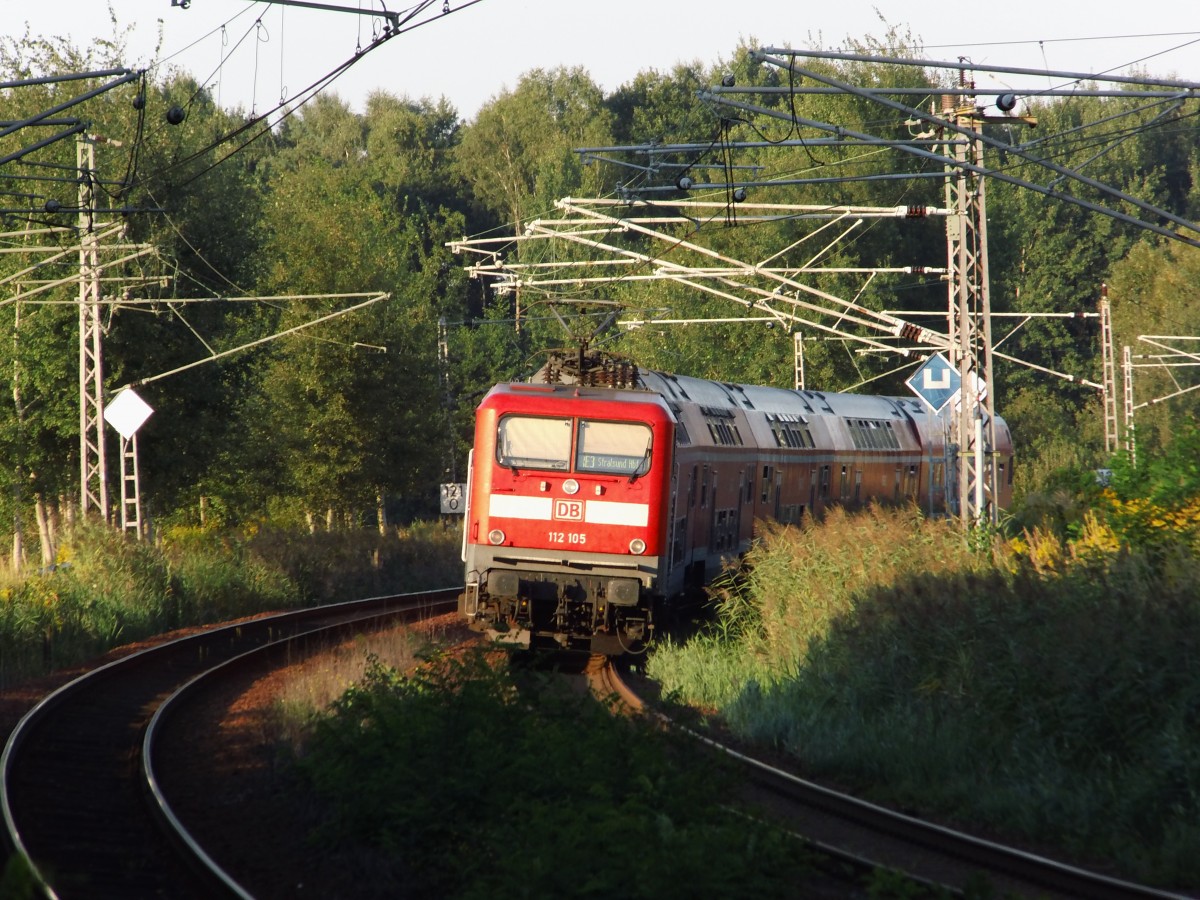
[{"x": 252, "y": 54}]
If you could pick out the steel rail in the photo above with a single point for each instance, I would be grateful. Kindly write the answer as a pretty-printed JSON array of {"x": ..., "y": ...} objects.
[
  {"x": 154, "y": 672},
  {"x": 989, "y": 856}
]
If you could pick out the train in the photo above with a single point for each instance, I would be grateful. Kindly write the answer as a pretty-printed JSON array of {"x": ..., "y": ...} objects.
[{"x": 600, "y": 493}]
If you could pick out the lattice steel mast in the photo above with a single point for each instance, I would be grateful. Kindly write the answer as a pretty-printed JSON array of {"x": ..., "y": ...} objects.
[
  {"x": 969, "y": 317},
  {"x": 1109, "y": 376},
  {"x": 93, "y": 481}
]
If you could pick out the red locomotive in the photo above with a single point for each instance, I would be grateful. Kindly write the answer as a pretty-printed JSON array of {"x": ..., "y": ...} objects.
[{"x": 600, "y": 491}]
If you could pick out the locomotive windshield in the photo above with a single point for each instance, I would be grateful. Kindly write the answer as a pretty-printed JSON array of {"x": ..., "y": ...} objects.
[
  {"x": 524, "y": 442},
  {"x": 605, "y": 448},
  {"x": 613, "y": 448}
]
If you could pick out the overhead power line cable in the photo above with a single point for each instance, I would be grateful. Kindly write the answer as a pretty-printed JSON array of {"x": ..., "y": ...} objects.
[{"x": 289, "y": 106}]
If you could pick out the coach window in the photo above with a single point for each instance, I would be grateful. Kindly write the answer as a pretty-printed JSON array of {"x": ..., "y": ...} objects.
[
  {"x": 613, "y": 448},
  {"x": 525, "y": 442}
]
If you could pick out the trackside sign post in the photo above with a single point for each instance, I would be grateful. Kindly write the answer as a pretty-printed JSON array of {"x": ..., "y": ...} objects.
[
  {"x": 127, "y": 413},
  {"x": 453, "y": 499}
]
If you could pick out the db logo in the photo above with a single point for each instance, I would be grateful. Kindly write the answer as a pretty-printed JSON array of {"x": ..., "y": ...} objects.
[{"x": 570, "y": 510}]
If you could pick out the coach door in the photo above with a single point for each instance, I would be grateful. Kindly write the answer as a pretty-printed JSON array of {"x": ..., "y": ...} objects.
[
  {"x": 716, "y": 519},
  {"x": 673, "y": 531},
  {"x": 743, "y": 495},
  {"x": 681, "y": 540}
]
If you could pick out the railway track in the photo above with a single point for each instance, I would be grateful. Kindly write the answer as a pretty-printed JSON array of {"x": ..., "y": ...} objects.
[
  {"x": 80, "y": 796},
  {"x": 83, "y": 796},
  {"x": 862, "y": 836}
]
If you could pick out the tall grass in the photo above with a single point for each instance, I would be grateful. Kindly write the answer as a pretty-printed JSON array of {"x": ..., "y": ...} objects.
[
  {"x": 363, "y": 563},
  {"x": 320, "y": 681},
  {"x": 795, "y": 583},
  {"x": 1047, "y": 689},
  {"x": 107, "y": 589}
]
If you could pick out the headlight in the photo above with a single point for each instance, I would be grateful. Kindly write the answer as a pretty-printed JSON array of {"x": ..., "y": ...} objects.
[
  {"x": 637, "y": 546},
  {"x": 570, "y": 486},
  {"x": 496, "y": 536}
]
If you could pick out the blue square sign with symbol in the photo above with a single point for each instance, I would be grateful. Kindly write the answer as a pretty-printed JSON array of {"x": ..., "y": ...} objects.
[{"x": 936, "y": 382}]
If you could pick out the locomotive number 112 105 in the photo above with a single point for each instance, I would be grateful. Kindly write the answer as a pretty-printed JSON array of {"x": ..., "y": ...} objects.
[{"x": 567, "y": 537}]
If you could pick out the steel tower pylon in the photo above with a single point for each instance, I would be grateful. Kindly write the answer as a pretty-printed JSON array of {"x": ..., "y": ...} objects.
[
  {"x": 969, "y": 317},
  {"x": 1110, "y": 372},
  {"x": 93, "y": 481},
  {"x": 1130, "y": 434}
]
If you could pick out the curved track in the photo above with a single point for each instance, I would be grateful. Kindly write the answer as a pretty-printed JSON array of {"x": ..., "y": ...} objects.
[
  {"x": 862, "y": 833},
  {"x": 72, "y": 785}
]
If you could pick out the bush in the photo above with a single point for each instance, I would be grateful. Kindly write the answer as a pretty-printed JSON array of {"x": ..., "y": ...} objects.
[{"x": 538, "y": 792}]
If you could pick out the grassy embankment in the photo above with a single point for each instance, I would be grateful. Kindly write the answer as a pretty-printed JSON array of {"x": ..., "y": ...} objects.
[
  {"x": 108, "y": 590},
  {"x": 1045, "y": 689}
]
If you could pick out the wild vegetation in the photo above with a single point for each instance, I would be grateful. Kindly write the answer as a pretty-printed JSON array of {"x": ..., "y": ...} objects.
[
  {"x": 523, "y": 806},
  {"x": 1043, "y": 687},
  {"x": 107, "y": 589}
]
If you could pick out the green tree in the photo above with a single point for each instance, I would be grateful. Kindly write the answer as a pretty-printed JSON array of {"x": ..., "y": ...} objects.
[
  {"x": 783, "y": 162},
  {"x": 1052, "y": 256},
  {"x": 1153, "y": 292},
  {"x": 410, "y": 148},
  {"x": 518, "y": 156},
  {"x": 347, "y": 405},
  {"x": 159, "y": 182}
]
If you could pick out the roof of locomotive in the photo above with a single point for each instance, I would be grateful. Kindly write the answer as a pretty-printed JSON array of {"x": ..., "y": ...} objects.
[{"x": 550, "y": 395}]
